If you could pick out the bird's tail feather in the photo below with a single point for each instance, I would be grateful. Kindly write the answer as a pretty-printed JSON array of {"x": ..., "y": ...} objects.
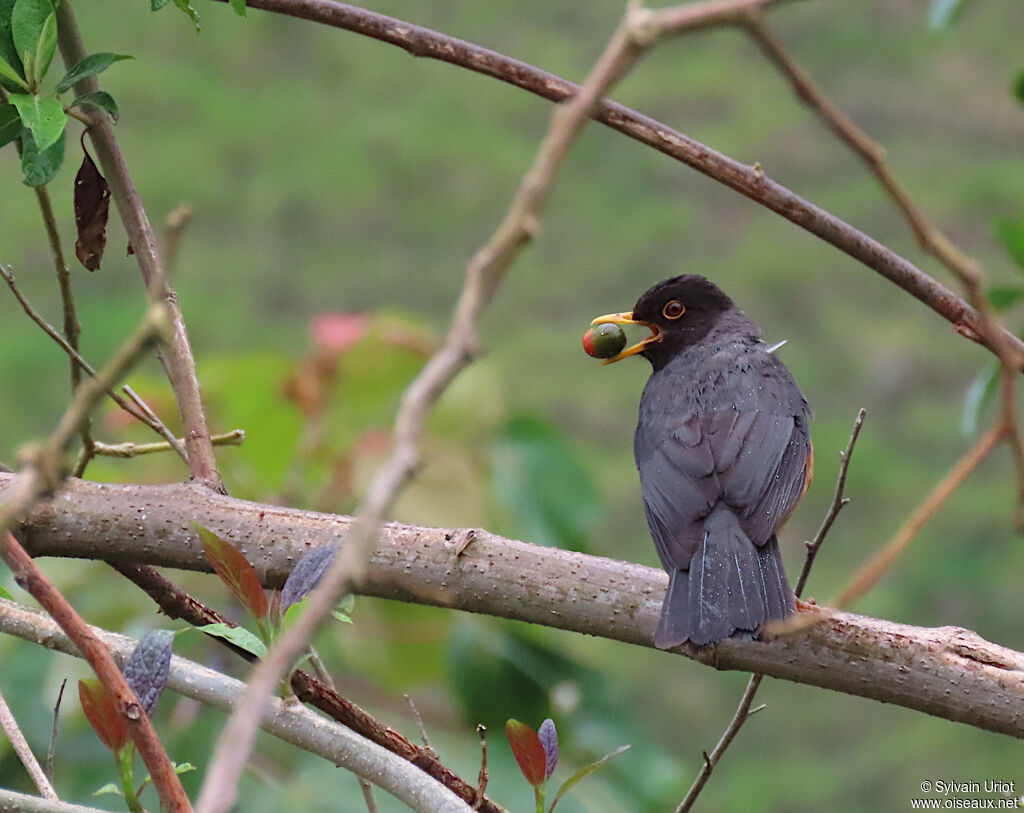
[{"x": 731, "y": 585}]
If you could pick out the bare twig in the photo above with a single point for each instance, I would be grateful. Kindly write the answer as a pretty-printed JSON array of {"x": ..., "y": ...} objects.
[
  {"x": 946, "y": 672},
  {"x": 291, "y": 723},
  {"x": 143, "y": 413},
  {"x": 45, "y": 473},
  {"x": 52, "y": 748},
  {"x": 14, "y": 801},
  {"x": 711, "y": 760},
  {"x": 869, "y": 574},
  {"x": 233, "y": 438},
  {"x": 24, "y": 751},
  {"x": 750, "y": 181},
  {"x": 174, "y": 228},
  {"x": 179, "y": 361},
  {"x": 156, "y": 423},
  {"x": 481, "y": 780},
  {"x": 420, "y": 726},
  {"x": 838, "y": 501},
  {"x": 483, "y": 276},
  {"x": 367, "y": 789}
]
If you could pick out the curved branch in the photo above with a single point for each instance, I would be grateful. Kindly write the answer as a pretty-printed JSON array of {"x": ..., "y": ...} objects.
[
  {"x": 946, "y": 672},
  {"x": 747, "y": 180},
  {"x": 292, "y": 723}
]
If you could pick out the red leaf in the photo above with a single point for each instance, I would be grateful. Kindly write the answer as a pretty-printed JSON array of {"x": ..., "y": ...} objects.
[
  {"x": 92, "y": 203},
  {"x": 235, "y": 571},
  {"x": 528, "y": 751},
  {"x": 102, "y": 714}
]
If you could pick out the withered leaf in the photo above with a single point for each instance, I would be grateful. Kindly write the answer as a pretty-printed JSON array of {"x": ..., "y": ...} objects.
[
  {"x": 92, "y": 203},
  {"x": 148, "y": 667}
]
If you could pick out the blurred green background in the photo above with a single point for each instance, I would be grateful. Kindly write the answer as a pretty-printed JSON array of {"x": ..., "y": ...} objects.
[{"x": 331, "y": 173}]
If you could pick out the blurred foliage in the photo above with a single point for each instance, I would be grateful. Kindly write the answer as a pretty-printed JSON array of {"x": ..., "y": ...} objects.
[{"x": 338, "y": 189}]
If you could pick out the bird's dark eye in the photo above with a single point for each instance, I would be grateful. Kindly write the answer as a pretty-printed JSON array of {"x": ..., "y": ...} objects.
[{"x": 674, "y": 309}]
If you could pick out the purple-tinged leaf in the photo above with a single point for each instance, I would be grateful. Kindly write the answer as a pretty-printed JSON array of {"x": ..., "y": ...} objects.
[
  {"x": 148, "y": 666},
  {"x": 235, "y": 571},
  {"x": 586, "y": 770},
  {"x": 528, "y": 751},
  {"x": 305, "y": 575},
  {"x": 102, "y": 714},
  {"x": 548, "y": 735}
]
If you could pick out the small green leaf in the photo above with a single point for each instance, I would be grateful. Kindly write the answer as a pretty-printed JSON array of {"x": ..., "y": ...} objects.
[
  {"x": 183, "y": 767},
  {"x": 45, "y": 48},
  {"x": 185, "y": 6},
  {"x": 5, "y": 594},
  {"x": 239, "y": 7},
  {"x": 156, "y": 5},
  {"x": 1011, "y": 235},
  {"x": 943, "y": 13},
  {"x": 1002, "y": 297},
  {"x": 98, "y": 98},
  {"x": 239, "y": 636},
  {"x": 90, "y": 66},
  {"x": 10, "y": 124},
  {"x": 40, "y": 167},
  {"x": 8, "y": 72},
  {"x": 109, "y": 788},
  {"x": 342, "y": 617},
  {"x": 584, "y": 772},
  {"x": 979, "y": 393},
  {"x": 1018, "y": 87},
  {"x": 8, "y": 53},
  {"x": 28, "y": 17},
  {"x": 43, "y": 115}
]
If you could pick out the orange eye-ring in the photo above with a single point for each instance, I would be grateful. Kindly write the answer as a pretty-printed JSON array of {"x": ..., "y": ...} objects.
[{"x": 674, "y": 309}]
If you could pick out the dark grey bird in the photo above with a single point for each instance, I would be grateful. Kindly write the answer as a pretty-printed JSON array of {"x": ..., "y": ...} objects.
[{"x": 724, "y": 454}]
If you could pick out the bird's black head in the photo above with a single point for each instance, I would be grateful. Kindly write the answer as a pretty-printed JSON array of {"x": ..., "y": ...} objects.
[{"x": 680, "y": 312}]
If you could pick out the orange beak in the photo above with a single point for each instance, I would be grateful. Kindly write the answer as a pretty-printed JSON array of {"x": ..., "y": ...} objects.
[{"x": 627, "y": 319}]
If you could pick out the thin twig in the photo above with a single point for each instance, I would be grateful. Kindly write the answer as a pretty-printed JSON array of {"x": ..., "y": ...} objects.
[
  {"x": 481, "y": 779},
  {"x": 367, "y": 789},
  {"x": 483, "y": 276},
  {"x": 180, "y": 363},
  {"x": 711, "y": 760},
  {"x": 45, "y": 473},
  {"x": 72, "y": 329},
  {"x": 143, "y": 413},
  {"x": 865, "y": 578},
  {"x": 24, "y": 751},
  {"x": 838, "y": 501},
  {"x": 174, "y": 228},
  {"x": 750, "y": 181},
  {"x": 420, "y": 726},
  {"x": 129, "y": 449},
  {"x": 156, "y": 423},
  {"x": 14, "y": 801},
  {"x": 51, "y": 750}
]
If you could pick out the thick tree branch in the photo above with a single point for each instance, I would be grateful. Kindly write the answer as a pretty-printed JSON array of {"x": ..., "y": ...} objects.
[
  {"x": 750, "y": 181},
  {"x": 946, "y": 672},
  {"x": 181, "y": 368},
  {"x": 290, "y": 723}
]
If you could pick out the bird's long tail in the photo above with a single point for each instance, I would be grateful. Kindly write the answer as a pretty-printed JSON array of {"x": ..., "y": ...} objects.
[{"x": 731, "y": 585}]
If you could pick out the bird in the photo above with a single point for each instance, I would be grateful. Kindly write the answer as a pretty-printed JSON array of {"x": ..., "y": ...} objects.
[{"x": 724, "y": 454}]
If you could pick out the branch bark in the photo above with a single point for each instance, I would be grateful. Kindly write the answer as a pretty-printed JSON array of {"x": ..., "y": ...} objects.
[{"x": 946, "y": 671}]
